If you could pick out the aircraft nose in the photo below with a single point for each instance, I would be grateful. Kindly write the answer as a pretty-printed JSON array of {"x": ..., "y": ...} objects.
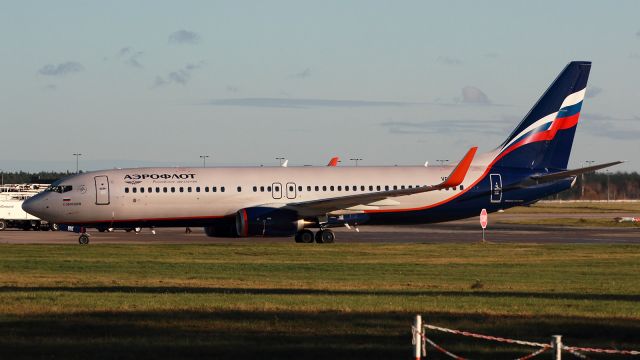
[{"x": 33, "y": 206}]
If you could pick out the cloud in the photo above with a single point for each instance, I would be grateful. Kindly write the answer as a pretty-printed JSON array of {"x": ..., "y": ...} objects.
[
  {"x": 610, "y": 126},
  {"x": 473, "y": 95},
  {"x": 51, "y": 87},
  {"x": 302, "y": 74},
  {"x": 638, "y": 34},
  {"x": 181, "y": 76},
  {"x": 62, "y": 69},
  {"x": 486, "y": 127},
  {"x": 130, "y": 57},
  {"x": 593, "y": 91},
  {"x": 303, "y": 103},
  {"x": 448, "y": 60},
  {"x": 184, "y": 37},
  {"x": 232, "y": 89}
]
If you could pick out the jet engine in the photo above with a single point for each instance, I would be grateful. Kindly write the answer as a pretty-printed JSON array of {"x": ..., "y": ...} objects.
[{"x": 266, "y": 221}]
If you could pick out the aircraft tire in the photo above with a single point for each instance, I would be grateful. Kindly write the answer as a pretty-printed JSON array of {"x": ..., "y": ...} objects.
[
  {"x": 325, "y": 236},
  {"x": 304, "y": 236},
  {"x": 3, "y": 225},
  {"x": 83, "y": 239}
]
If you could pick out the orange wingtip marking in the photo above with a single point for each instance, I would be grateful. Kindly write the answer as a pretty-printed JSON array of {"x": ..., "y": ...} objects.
[
  {"x": 333, "y": 161},
  {"x": 457, "y": 175}
]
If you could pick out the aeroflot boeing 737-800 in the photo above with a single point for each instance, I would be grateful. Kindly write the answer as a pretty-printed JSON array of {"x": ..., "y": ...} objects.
[{"x": 287, "y": 201}]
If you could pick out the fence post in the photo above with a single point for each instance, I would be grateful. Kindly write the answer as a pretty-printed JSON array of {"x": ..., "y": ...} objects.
[
  {"x": 417, "y": 337},
  {"x": 556, "y": 341}
]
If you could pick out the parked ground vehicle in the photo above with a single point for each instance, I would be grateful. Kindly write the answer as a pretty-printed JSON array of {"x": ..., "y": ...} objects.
[{"x": 11, "y": 213}]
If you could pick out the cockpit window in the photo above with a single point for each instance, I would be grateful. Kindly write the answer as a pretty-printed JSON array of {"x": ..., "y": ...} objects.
[{"x": 60, "y": 188}]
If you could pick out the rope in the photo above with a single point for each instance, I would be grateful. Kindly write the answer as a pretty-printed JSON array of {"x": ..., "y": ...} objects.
[
  {"x": 534, "y": 354},
  {"x": 572, "y": 349},
  {"x": 486, "y": 337},
  {"x": 437, "y": 347}
]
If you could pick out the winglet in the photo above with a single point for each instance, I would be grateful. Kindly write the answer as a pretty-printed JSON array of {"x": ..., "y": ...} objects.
[
  {"x": 333, "y": 161},
  {"x": 457, "y": 175}
]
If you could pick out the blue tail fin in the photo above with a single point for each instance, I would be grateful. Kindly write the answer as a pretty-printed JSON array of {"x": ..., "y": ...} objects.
[{"x": 544, "y": 138}]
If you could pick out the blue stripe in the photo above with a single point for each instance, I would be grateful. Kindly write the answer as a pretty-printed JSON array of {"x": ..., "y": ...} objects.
[{"x": 569, "y": 110}]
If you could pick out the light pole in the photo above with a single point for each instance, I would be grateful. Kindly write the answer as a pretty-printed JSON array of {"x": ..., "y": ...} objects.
[
  {"x": 77, "y": 155},
  {"x": 204, "y": 160},
  {"x": 588, "y": 162},
  {"x": 608, "y": 185},
  {"x": 356, "y": 160},
  {"x": 280, "y": 158},
  {"x": 442, "y": 161}
]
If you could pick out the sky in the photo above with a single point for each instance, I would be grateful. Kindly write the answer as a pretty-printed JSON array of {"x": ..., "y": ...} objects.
[{"x": 160, "y": 83}]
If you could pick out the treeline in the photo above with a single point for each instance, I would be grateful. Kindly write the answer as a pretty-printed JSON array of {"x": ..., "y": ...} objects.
[
  {"x": 603, "y": 186},
  {"x": 618, "y": 186},
  {"x": 42, "y": 177}
]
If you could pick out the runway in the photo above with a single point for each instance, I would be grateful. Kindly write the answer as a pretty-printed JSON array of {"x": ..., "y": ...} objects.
[{"x": 462, "y": 231}]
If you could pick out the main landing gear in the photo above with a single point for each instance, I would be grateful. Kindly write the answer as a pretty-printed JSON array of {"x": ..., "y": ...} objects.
[{"x": 324, "y": 236}]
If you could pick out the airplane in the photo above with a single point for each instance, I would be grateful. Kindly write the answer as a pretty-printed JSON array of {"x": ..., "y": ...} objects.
[
  {"x": 290, "y": 201},
  {"x": 334, "y": 161}
]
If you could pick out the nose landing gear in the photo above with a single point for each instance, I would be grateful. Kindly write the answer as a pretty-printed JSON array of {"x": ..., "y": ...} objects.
[{"x": 83, "y": 239}]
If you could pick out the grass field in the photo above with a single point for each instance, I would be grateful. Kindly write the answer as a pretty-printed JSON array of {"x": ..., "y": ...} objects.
[
  {"x": 278, "y": 301},
  {"x": 577, "y": 207}
]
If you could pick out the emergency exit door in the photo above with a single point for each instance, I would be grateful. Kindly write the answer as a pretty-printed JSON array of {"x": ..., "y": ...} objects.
[
  {"x": 102, "y": 190},
  {"x": 496, "y": 188}
]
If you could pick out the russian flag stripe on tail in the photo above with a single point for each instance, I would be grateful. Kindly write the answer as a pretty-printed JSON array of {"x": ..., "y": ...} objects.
[{"x": 543, "y": 139}]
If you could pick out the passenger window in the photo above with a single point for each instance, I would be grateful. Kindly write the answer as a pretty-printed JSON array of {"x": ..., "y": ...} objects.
[
  {"x": 277, "y": 188},
  {"x": 222, "y": 189},
  {"x": 461, "y": 187},
  {"x": 378, "y": 187},
  {"x": 290, "y": 188},
  {"x": 214, "y": 189},
  {"x": 134, "y": 190},
  {"x": 309, "y": 188},
  {"x": 261, "y": 188},
  {"x": 181, "y": 189},
  {"x": 299, "y": 188},
  {"x": 324, "y": 187},
  {"x": 239, "y": 188},
  {"x": 317, "y": 188},
  {"x": 370, "y": 187},
  {"x": 331, "y": 188},
  {"x": 269, "y": 188},
  {"x": 189, "y": 189},
  {"x": 141, "y": 189},
  {"x": 164, "y": 189},
  {"x": 386, "y": 187},
  {"x": 158, "y": 190},
  {"x": 173, "y": 189},
  {"x": 197, "y": 188},
  {"x": 395, "y": 187},
  {"x": 402, "y": 187},
  {"x": 255, "y": 189},
  {"x": 339, "y": 188},
  {"x": 126, "y": 190},
  {"x": 346, "y": 188},
  {"x": 206, "y": 189}
]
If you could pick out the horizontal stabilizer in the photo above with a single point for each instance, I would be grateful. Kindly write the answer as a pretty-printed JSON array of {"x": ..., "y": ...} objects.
[{"x": 569, "y": 173}]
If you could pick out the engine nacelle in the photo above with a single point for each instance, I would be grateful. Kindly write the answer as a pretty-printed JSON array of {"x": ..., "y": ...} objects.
[
  {"x": 266, "y": 221},
  {"x": 224, "y": 229}
]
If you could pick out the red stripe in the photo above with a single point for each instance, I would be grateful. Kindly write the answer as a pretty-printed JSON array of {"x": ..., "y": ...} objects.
[
  {"x": 245, "y": 228},
  {"x": 145, "y": 219}
]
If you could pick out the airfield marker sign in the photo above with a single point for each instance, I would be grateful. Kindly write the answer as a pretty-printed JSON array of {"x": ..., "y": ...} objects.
[{"x": 483, "y": 221}]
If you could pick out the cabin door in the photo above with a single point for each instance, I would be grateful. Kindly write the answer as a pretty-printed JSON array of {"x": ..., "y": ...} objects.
[
  {"x": 276, "y": 190},
  {"x": 102, "y": 190},
  {"x": 291, "y": 190}
]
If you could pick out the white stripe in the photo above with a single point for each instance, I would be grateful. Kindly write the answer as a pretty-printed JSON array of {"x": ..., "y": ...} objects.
[{"x": 572, "y": 99}]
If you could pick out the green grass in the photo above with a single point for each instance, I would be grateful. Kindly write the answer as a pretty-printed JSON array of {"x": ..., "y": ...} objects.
[{"x": 271, "y": 300}]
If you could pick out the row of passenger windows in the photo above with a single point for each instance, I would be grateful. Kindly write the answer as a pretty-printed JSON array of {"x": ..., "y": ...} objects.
[
  {"x": 173, "y": 189},
  {"x": 291, "y": 188}
]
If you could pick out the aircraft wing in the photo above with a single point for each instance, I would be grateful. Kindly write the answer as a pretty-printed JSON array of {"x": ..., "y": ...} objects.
[
  {"x": 570, "y": 173},
  {"x": 333, "y": 161},
  {"x": 324, "y": 206}
]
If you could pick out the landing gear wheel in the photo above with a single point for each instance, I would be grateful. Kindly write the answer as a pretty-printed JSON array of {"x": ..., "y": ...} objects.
[
  {"x": 325, "y": 236},
  {"x": 3, "y": 225},
  {"x": 53, "y": 227},
  {"x": 83, "y": 239},
  {"x": 304, "y": 236}
]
